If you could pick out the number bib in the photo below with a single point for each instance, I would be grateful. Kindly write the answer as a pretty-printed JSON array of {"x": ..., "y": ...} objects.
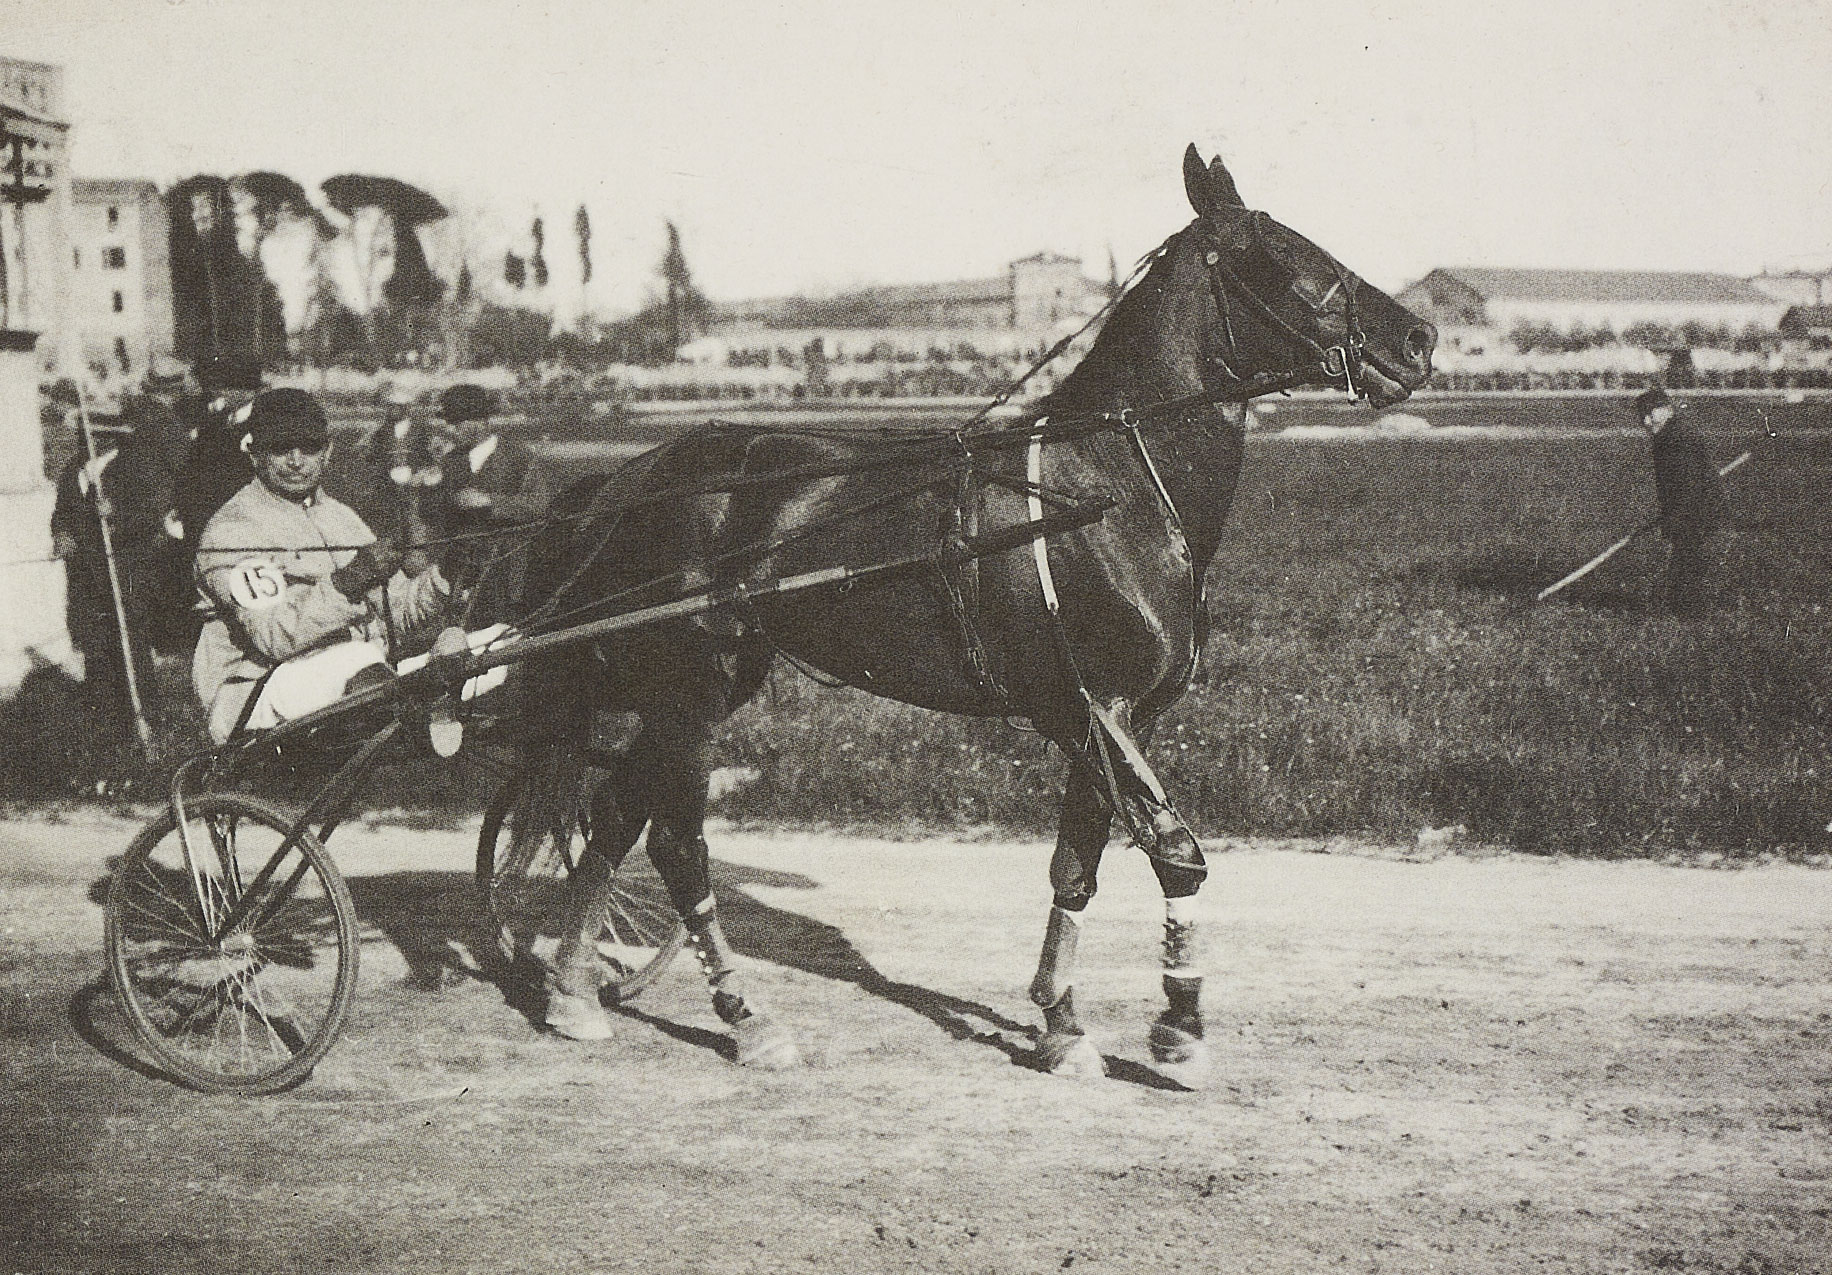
[{"x": 256, "y": 584}]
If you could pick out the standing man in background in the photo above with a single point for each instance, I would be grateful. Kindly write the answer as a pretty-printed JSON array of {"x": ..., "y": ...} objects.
[
  {"x": 489, "y": 485},
  {"x": 1693, "y": 506},
  {"x": 127, "y": 486}
]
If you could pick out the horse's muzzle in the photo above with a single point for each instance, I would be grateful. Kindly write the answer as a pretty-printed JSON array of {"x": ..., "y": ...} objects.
[{"x": 1387, "y": 381}]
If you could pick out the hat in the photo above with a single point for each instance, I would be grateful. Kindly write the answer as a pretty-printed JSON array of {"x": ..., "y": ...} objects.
[
  {"x": 285, "y": 418},
  {"x": 166, "y": 375},
  {"x": 467, "y": 402},
  {"x": 1650, "y": 399}
]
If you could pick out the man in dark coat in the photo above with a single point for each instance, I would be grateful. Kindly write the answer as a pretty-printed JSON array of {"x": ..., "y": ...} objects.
[
  {"x": 489, "y": 484},
  {"x": 1692, "y": 503},
  {"x": 218, "y": 467},
  {"x": 129, "y": 486}
]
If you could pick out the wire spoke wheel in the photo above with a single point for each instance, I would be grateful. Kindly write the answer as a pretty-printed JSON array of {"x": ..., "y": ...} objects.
[
  {"x": 232, "y": 953},
  {"x": 526, "y": 853}
]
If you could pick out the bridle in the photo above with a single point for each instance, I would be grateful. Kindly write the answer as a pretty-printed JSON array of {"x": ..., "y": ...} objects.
[{"x": 1340, "y": 362}]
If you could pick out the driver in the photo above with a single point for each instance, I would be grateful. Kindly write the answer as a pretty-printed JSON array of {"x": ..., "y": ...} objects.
[{"x": 306, "y": 597}]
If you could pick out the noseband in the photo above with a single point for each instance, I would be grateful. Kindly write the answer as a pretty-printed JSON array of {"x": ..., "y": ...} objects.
[{"x": 1339, "y": 362}]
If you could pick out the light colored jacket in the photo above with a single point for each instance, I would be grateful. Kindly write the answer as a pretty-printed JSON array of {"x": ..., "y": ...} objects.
[{"x": 264, "y": 564}]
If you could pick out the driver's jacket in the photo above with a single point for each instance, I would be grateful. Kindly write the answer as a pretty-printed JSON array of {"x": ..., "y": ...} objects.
[{"x": 264, "y": 565}]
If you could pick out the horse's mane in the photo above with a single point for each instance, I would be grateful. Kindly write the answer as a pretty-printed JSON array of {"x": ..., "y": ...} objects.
[{"x": 1110, "y": 371}]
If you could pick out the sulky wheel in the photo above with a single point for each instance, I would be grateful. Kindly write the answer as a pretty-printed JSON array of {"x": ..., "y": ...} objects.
[
  {"x": 232, "y": 952},
  {"x": 523, "y": 862}
]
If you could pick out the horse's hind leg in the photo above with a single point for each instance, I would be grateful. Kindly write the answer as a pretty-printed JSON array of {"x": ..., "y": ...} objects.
[
  {"x": 1086, "y": 823},
  {"x": 619, "y": 814},
  {"x": 677, "y": 847}
]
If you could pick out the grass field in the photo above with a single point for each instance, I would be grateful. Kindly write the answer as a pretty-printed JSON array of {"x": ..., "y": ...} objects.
[{"x": 1377, "y": 665}]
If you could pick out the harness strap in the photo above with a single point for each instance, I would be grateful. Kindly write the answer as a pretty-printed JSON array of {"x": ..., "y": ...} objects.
[
  {"x": 960, "y": 577},
  {"x": 1104, "y": 733},
  {"x": 1131, "y": 425},
  {"x": 1040, "y": 547}
]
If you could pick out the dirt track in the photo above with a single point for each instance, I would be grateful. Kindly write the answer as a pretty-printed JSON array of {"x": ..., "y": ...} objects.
[{"x": 1464, "y": 1065}]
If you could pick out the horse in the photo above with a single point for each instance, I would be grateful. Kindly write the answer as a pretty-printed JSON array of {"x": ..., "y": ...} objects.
[{"x": 1081, "y": 610}]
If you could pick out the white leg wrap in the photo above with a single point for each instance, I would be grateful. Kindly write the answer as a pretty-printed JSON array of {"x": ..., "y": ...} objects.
[{"x": 1180, "y": 955}]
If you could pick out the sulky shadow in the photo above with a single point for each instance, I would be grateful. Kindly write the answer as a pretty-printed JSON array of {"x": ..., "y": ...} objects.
[{"x": 436, "y": 923}]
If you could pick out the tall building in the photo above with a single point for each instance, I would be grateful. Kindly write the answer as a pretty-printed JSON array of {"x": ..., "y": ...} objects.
[
  {"x": 34, "y": 295},
  {"x": 121, "y": 274}
]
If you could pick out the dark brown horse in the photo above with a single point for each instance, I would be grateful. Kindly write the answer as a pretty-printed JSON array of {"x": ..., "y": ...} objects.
[{"x": 1089, "y": 632}]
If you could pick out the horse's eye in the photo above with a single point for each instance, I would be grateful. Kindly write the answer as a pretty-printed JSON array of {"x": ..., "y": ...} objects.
[{"x": 1261, "y": 271}]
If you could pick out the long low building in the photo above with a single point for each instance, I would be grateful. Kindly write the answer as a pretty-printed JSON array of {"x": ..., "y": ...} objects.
[
  {"x": 1032, "y": 295},
  {"x": 1480, "y": 302}
]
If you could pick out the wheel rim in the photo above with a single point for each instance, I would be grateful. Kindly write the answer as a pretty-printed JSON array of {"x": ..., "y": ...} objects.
[{"x": 225, "y": 1000}]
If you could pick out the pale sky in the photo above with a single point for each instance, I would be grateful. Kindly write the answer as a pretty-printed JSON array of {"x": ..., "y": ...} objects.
[{"x": 816, "y": 146}]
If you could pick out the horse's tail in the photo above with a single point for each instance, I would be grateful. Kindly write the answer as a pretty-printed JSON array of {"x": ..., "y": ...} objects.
[{"x": 547, "y": 803}]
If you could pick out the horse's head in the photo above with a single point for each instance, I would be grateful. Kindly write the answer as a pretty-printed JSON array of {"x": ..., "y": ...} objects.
[{"x": 1285, "y": 306}]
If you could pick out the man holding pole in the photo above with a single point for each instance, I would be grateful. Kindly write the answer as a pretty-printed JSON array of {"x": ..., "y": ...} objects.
[
  {"x": 109, "y": 526},
  {"x": 1693, "y": 506}
]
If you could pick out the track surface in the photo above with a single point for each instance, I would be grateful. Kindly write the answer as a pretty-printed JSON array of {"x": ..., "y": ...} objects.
[{"x": 1467, "y": 1064}]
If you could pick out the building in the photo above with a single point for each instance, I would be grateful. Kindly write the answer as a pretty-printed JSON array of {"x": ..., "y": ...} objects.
[
  {"x": 34, "y": 295},
  {"x": 1808, "y": 325},
  {"x": 1033, "y": 294},
  {"x": 1797, "y": 287},
  {"x": 121, "y": 274},
  {"x": 1480, "y": 304},
  {"x": 34, "y": 208}
]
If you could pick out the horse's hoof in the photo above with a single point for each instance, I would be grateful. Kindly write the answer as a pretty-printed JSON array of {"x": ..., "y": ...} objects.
[
  {"x": 577, "y": 1017},
  {"x": 1070, "y": 1054},
  {"x": 763, "y": 1044},
  {"x": 1179, "y": 1056}
]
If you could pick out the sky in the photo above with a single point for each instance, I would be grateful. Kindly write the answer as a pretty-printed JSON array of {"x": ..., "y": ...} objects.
[{"x": 812, "y": 147}]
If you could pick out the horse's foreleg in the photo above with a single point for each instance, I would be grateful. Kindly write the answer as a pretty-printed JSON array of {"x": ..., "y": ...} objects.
[
  {"x": 1082, "y": 833},
  {"x": 1177, "y": 1046},
  {"x": 1176, "y": 1039}
]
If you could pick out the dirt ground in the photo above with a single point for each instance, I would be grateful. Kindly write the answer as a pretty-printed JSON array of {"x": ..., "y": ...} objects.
[{"x": 1469, "y": 1064}]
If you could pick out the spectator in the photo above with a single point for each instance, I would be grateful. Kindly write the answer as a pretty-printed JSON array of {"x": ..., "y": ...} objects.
[
  {"x": 489, "y": 484},
  {"x": 1693, "y": 506}
]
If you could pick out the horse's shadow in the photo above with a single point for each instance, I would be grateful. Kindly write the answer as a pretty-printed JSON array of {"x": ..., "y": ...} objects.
[
  {"x": 766, "y": 933},
  {"x": 763, "y": 932},
  {"x": 435, "y": 921}
]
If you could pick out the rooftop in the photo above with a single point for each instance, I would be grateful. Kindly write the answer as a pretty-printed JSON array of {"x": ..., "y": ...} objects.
[
  {"x": 1607, "y": 285},
  {"x": 97, "y": 190},
  {"x": 1807, "y": 316}
]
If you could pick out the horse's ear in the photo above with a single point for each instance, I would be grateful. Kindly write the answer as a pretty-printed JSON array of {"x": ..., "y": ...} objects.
[
  {"x": 1196, "y": 179},
  {"x": 1209, "y": 186}
]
